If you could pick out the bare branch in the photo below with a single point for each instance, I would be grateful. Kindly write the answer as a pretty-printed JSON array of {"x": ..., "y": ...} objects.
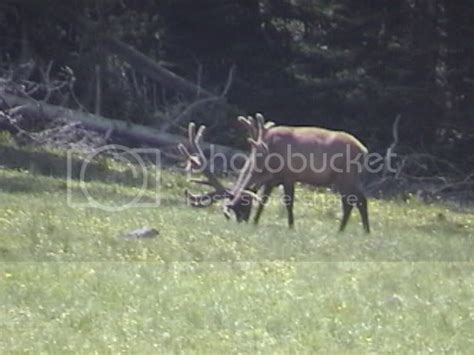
[
  {"x": 393, "y": 145},
  {"x": 178, "y": 119},
  {"x": 98, "y": 90}
]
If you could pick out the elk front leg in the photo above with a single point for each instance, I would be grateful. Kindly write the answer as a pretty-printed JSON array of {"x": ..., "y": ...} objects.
[
  {"x": 288, "y": 199},
  {"x": 346, "y": 210},
  {"x": 267, "y": 190}
]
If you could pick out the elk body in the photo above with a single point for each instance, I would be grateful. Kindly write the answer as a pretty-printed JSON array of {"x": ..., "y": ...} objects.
[{"x": 283, "y": 155}]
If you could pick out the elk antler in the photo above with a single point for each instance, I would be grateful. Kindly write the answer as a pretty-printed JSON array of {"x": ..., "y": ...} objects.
[
  {"x": 256, "y": 132},
  {"x": 196, "y": 160},
  {"x": 249, "y": 124}
]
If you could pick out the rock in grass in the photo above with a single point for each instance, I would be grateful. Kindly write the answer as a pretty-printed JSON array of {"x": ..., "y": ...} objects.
[
  {"x": 394, "y": 300},
  {"x": 142, "y": 233}
]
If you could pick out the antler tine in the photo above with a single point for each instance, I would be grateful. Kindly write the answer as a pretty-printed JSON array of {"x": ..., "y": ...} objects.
[
  {"x": 185, "y": 152},
  {"x": 248, "y": 123},
  {"x": 260, "y": 125},
  {"x": 252, "y": 194},
  {"x": 199, "y": 134},
  {"x": 191, "y": 131},
  {"x": 196, "y": 142},
  {"x": 266, "y": 125},
  {"x": 257, "y": 140},
  {"x": 192, "y": 159},
  {"x": 244, "y": 177},
  {"x": 257, "y": 143},
  {"x": 253, "y": 128},
  {"x": 194, "y": 154},
  {"x": 244, "y": 121}
]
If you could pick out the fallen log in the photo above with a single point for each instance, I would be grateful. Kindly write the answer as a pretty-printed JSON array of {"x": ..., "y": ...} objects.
[{"x": 142, "y": 134}]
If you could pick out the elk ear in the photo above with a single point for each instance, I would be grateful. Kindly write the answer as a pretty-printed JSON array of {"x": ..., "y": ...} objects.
[{"x": 269, "y": 124}]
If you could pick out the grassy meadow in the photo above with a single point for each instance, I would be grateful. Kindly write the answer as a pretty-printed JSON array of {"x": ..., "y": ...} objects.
[{"x": 69, "y": 281}]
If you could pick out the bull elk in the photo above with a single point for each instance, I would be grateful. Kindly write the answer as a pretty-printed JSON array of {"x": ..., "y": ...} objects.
[{"x": 284, "y": 155}]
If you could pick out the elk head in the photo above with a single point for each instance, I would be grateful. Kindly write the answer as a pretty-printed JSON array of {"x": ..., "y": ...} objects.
[
  {"x": 245, "y": 187},
  {"x": 196, "y": 161}
]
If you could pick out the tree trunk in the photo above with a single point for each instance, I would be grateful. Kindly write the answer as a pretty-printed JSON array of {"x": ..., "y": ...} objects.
[{"x": 146, "y": 66}]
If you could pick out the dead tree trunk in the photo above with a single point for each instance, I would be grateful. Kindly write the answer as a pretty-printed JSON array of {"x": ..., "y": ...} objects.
[
  {"x": 142, "y": 134},
  {"x": 146, "y": 66}
]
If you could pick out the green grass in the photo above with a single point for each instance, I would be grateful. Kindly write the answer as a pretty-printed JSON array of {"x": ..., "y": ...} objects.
[{"x": 69, "y": 281}]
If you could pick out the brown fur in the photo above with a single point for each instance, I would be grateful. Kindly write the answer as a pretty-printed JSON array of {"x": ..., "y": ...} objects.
[{"x": 314, "y": 145}]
